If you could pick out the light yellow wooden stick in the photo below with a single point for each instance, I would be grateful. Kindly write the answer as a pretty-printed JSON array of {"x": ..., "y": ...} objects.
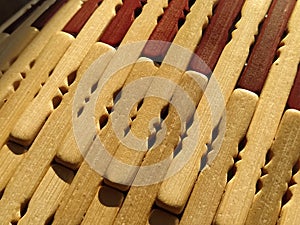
[
  {"x": 187, "y": 37},
  {"x": 208, "y": 189},
  {"x": 104, "y": 207},
  {"x": 29, "y": 55},
  {"x": 241, "y": 189},
  {"x": 68, "y": 153},
  {"x": 78, "y": 197},
  {"x": 37, "y": 161},
  {"x": 10, "y": 157},
  {"x": 14, "y": 107},
  {"x": 19, "y": 39},
  {"x": 290, "y": 212},
  {"x": 285, "y": 152},
  {"x": 25, "y": 131},
  {"x": 146, "y": 21},
  {"x": 47, "y": 196},
  {"x": 226, "y": 74},
  {"x": 137, "y": 32}
]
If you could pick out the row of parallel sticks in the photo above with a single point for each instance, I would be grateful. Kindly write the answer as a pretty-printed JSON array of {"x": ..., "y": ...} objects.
[{"x": 254, "y": 180}]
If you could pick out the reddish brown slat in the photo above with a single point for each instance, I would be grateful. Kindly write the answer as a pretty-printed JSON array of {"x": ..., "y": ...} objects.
[
  {"x": 81, "y": 17},
  {"x": 294, "y": 98},
  {"x": 40, "y": 22},
  {"x": 216, "y": 35},
  {"x": 261, "y": 58},
  {"x": 166, "y": 29},
  {"x": 120, "y": 24}
]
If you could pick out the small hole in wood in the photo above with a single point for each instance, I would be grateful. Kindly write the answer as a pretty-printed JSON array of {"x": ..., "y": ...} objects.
[
  {"x": 24, "y": 207},
  {"x": 31, "y": 64},
  {"x": 80, "y": 111},
  {"x": 109, "y": 109},
  {"x": 258, "y": 186},
  {"x": 23, "y": 75},
  {"x": 16, "y": 85},
  {"x": 94, "y": 87},
  {"x": 118, "y": 7},
  {"x": 71, "y": 78},
  {"x": 296, "y": 168},
  {"x": 117, "y": 95},
  {"x": 36, "y": 93},
  {"x": 242, "y": 144},
  {"x": 286, "y": 197},
  {"x": 164, "y": 112},
  {"x": 137, "y": 12},
  {"x": 140, "y": 104},
  {"x": 63, "y": 90},
  {"x": 231, "y": 172},
  {"x": 50, "y": 73},
  {"x": 269, "y": 156},
  {"x": 1, "y": 193},
  {"x": 103, "y": 121},
  {"x": 50, "y": 219},
  {"x": 56, "y": 101}
]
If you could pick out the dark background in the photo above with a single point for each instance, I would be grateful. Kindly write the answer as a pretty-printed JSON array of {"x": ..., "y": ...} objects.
[{"x": 9, "y": 7}]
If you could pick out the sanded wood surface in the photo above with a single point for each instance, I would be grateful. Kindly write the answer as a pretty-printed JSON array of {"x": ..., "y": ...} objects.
[
  {"x": 157, "y": 165},
  {"x": 241, "y": 189},
  {"x": 226, "y": 73}
]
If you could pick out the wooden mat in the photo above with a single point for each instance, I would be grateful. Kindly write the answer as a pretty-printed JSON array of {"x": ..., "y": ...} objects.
[{"x": 210, "y": 91}]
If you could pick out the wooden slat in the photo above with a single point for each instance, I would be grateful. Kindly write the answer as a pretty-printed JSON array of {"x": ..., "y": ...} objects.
[
  {"x": 285, "y": 152},
  {"x": 28, "y": 87},
  {"x": 208, "y": 189},
  {"x": 31, "y": 52},
  {"x": 10, "y": 157},
  {"x": 240, "y": 190},
  {"x": 40, "y": 155},
  {"x": 40, "y": 108},
  {"x": 176, "y": 190},
  {"x": 47, "y": 196}
]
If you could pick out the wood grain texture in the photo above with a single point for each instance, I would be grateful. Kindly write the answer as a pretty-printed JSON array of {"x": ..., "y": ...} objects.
[
  {"x": 240, "y": 190},
  {"x": 145, "y": 22},
  {"x": 28, "y": 87},
  {"x": 285, "y": 153},
  {"x": 47, "y": 196},
  {"x": 10, "y": 157},
  {"x": 31, "y": 52},
  {"x": 226, "y": 74},
  {"x": 41, "y": 107},
  {"x": 289, "y": 214},
  {"x": 80, "y": 18},
  {"x": 210, "y": 185},
  {"x": 166, "y": 29},
  {"x": 152, "y": 106},
  {"x": 262, "y": 55},
  {"x": 119, "y": 25},
  {"x": 40, "y": 155},
  {"x": 78, "y": 197}
]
